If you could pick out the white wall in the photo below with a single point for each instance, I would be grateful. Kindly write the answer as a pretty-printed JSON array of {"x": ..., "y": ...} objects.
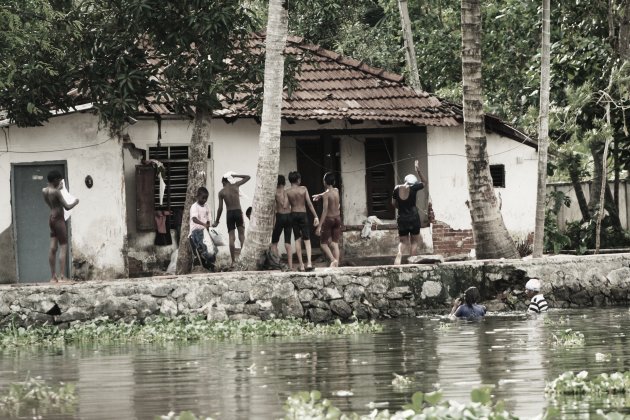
[
  {"x": 449, "y": 184},
  {"x": 98, "y": 222}
]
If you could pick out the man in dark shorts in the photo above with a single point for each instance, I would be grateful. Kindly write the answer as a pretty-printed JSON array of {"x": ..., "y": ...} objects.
[
  {"x": 330, "y": 227},
  {"x": 283, "y": 221},
  {"x": 299, "y": 198},
  {"x": 57, "y": 223},
  {"x": 234, "y": 216},
  {"x": 404, "y": 199}
]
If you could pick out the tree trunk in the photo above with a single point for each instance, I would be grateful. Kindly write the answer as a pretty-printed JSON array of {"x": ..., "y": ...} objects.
[
  {"x": 197, "y": 177},
  {"x": 624, "y": 32},
  {"x": 574, "y": 174},
  {"x": 543, "y": 132},
  {"x": 492, "y": 239},
  {"x": 410, "y": 49},
  {"x": 261, "y": 225}
]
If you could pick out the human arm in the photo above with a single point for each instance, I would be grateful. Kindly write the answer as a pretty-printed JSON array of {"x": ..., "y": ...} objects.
[
  {"x": 63, "y": 201},
  {"x": 420, "y": 175},
  {"x": 324, "y": 214},
  {"x": 457, "y": 303},
  {"x": 394, "y": 197},
  {"x": 244, "y": 179},
  {"x": 219, "y": 211},
  {"x": 316, "y": 197},
  {"x": 307, "y": 198}
]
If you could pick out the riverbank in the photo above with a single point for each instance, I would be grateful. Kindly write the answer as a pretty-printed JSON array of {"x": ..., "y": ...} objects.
[{"x": 326, "y": 294}]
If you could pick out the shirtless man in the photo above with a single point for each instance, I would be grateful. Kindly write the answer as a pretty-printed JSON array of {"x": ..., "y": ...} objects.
[
  {"x": 298, "y": 197},
  {"x": 234, "y": 216},
  {"x": 57, "y": 223},
  {"x": 330, "y": 227},
  {"x": 283, "y": 221}
]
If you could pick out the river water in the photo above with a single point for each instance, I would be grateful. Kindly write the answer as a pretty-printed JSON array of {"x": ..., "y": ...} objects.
[{"x": 252, "y": 379}]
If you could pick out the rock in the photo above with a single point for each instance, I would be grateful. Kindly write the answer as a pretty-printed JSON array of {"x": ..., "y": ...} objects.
[
  {"x": 427, "y": 259},
  {"x": 379, "y": 285},
  {"x": 308, "y": 282},
  {"x": 430, "y": 289},
  {"x": 199, "y": 296},
  {"x": 251, "y": 309},
  {"x": 168, "y": 308},
  {"x": 218, "y": 288},
  {"x": 495, "y": 305},
  {"x": 363, "y": 281},
  {"x": 398, "y": 292},
  {"x": 306, "y": 295},
  {"x": 330, "y": 293},
  {"x": 319, "y": 304},
  {"x": 283, "y": 290},
  {"x": 74, "y": 314},
  {"x": 217, "y": 313},
  {"x": 260, "y": 291},
  {"x": 353, "y": 293},
  {"x": 341, "y": 308},
  {"x": 361, "y": 311},
  {"x": 232, "y": 298},
  {"x": 243, "y": 285},
  {"x": 180, "y": 292},
  {"x": 4, "y": 309},
  {"x": 161, "y": 290},
  {"x": 319, "y": 315}
]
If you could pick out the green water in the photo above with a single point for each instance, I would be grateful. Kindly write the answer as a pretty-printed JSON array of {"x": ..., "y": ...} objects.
[{"x": 251, "y": 379}]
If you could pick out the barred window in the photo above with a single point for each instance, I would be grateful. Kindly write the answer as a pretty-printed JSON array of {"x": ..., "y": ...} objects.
[{"x": 497, "y": 172}]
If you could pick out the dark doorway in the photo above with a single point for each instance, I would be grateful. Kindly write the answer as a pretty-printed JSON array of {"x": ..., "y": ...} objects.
[
  {"x": 30, "y": 215},
  {"x": 315, "y": 157}
]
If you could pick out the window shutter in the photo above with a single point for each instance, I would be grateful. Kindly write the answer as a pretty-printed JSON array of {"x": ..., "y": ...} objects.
[
  {"x": 145, "y": 200},
  {"x": 379, "y": 178}
]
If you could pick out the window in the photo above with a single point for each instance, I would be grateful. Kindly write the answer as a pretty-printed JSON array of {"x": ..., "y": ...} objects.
[
  {"x": 379, "y": 177},
  {"x": 497, "y": 172},
  {"x": 175, "y": 160}
]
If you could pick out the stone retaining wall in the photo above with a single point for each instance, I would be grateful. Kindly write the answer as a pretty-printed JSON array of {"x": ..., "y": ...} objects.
[{"x": 367, "y": 292}]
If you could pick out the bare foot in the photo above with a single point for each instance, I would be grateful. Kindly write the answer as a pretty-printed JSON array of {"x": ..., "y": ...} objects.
[
  {"x": 301, "y": 268},
  {"x": 54, "y": 279},
  {"x": 334, "y": 263},
  {"x": 398, "y": 259}
]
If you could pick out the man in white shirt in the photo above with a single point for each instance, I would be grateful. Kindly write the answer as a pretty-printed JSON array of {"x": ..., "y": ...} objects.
[{"x": 200, "y": 221}]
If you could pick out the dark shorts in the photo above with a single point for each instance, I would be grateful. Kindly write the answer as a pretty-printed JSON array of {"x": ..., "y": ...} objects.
[
  {"x": 301, "y": 228},
  {"x": 58, "y": 229},
  {"x": 283, "y": 224},
  {"x": 409, "y": 225},
  {"x": 331, "y": 228},
  {"x": 234, "y": 219}
]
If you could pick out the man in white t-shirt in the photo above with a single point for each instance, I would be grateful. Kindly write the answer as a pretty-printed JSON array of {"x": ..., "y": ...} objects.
[{"x": 199, "y": 221}]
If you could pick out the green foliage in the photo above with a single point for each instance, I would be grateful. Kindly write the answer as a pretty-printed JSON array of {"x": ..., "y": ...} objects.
[
  {"x": 184, "y": 415},
  {"x": 570, "y": 383},
  {"x": 34, "y": 397},
  {"x": 582, "y": 235},
  {"x": 555, "y": 240},
  {"x": 568, "y": 338},
  {"x": 179, "y": 329}
]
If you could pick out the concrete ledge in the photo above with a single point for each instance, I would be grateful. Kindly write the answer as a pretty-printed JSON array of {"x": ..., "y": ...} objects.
[{"x": 366, "y": 292}]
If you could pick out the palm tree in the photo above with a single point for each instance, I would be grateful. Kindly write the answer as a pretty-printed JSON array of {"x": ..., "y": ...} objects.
[
  {"x": 492, "y": 239},
  {"x": 259, "y": 232},
  {"x": 543, "y": 131}
]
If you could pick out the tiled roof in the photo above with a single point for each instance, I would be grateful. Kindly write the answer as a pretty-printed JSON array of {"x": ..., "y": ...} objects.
[{"x": 330, "y": 86}]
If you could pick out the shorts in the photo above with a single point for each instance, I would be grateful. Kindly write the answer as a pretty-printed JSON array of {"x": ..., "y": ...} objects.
[
  {"x": 301, "y": 228},
  {"x": 409, "y": 225},
  {"x": 234, "y": 219},
  {"x": 331, "y": 228},
  {"x": 283, "y": 224},
  {"x": 58, "y": 229}
]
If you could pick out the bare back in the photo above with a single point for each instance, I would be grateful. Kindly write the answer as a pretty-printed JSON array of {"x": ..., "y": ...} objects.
[
  {"x": 231, "y": 195},
  {"x": 54, "y": 200},
  {"x": 282, "y": 201},
  {"x": 332, "y": 198},
  {"x": 297, "y": 198}
]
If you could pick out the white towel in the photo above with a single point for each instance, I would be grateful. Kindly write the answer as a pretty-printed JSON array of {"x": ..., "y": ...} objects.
[{"x": 69, "y": 199}]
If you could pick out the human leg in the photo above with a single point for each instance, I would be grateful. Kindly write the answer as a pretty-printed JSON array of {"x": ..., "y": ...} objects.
[
  {"x": 413, "y": 245},
  {"x": 232, "y": 238},
  {"x": 241, "y": 235},
  {"x": 287, "y": 247},
  {"x": 63, "y": 257},
  {"x": 309, "y": 264},
  {"x": 335, "y": 249},
  {"x": 298, "y": 252},
  {"x": 52, "y": 256},
  {"x": 328, "y": 253}
]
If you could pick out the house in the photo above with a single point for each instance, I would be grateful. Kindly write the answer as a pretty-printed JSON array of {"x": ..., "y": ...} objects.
[{"x": 344, "y": 116}]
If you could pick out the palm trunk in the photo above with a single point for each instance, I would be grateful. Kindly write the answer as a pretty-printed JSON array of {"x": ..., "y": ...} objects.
[
  {"x": 410, "y": 50},
  {"x": 543, "y": 132},
  {"x": 259, "y": 232},
  {"x": 197, "y": 177},
  {"x": 574, "y": 174},
  {"x": 492, "y": 239}
]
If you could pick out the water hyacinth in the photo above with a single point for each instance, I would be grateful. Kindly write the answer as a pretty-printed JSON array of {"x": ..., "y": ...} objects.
[
  {"x": 401, "y": 381},
  {"x": 181, "y": 329},
  {"x": 571, "y": 384},
  {"x": 568, "y": 338},
  {"x": 34, "y": 397}
]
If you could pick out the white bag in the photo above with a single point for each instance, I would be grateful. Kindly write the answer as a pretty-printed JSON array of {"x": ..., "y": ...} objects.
[
  {"x": 207, "y": 241},
  {"x": 216, "y": 237},
  {"x": 70, "y": 199},
  {"x": 172, "y": 267}
]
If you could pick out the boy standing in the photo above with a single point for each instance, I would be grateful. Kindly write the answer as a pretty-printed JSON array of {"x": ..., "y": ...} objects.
[
  {"x": 299, "y": 198},
  {"x": 199, "y": 221},
  {"x": 283, "y": 221},
  {"x": 537, "y": 302},
  {"x": 330, "y": 227},
  {"x": 57, "y": 223},
  {"x": 234, "y": 217}
]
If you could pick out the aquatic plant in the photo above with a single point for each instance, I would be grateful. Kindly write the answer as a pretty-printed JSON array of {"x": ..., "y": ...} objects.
[
  {"x": 423, "y": 406},
  {"x": 34, "y": 397},
  {"x": 401, "y": 381},
  {"x": 182, "y": 328},
  {"x": 184, "y": 415},
  {"x": 568, "y": 338},
  {"x": 603, "y": 357},
  {"x": 571, "y": 384}
]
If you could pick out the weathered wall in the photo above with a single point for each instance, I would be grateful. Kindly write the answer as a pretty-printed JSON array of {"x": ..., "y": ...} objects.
[
  {"x": 368, "y": 292},
  {"x": 449, "y": 183},
  {"x": 98, "y": 222}
]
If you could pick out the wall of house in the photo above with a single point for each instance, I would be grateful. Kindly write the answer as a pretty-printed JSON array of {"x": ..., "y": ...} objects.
[
  {"x": 449, "y": 184},
  {"x": 98, "y": 222}
]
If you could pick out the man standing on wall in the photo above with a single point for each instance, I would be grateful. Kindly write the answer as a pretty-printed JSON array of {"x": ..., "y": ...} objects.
[
  {"x": 57, "y": 223},
  {"x": 299, "y": 198},
  {"x": 283, "y": 221},
  {"x": 330, "y": 227},
  {"x": 231, "y": 194}
]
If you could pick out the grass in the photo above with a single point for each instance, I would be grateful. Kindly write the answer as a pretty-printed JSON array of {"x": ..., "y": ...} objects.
[{"x": 35, "y": 398}]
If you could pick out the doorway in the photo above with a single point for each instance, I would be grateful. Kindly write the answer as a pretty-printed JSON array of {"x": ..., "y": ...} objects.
[
  {"x": 315, "y": 157},
  {"x": 30, "y": 215}
]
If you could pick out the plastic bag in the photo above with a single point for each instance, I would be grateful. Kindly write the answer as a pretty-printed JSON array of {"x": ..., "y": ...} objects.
[
  {"x": 216, "y": 237},
  {"x": 172, "y": 266},
  {"x": 210, "y": 245}
]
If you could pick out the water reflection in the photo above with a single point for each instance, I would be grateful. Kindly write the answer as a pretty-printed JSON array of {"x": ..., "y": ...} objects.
[{"x": 252, "y": 379}]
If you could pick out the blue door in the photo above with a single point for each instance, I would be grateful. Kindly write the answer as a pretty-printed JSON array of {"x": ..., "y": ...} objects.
[{"x": 30, "y": 215}]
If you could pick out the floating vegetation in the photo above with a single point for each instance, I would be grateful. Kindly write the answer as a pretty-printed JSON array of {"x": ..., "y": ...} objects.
[
  {"x": 571, "y": 384},
  {"x": 184, "y": 415},
  {"x": 182, "y": 328},
  {"x": 563, "y": 320},
  {"x": 34, "y": 398},
  {"x": 401, "y": 381},
  {"x": 568, "y": 338},
  {"x": 444, "y": 326},
  {"x": 603, "y": 357},
  {"x": 423, "y": 406}
]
